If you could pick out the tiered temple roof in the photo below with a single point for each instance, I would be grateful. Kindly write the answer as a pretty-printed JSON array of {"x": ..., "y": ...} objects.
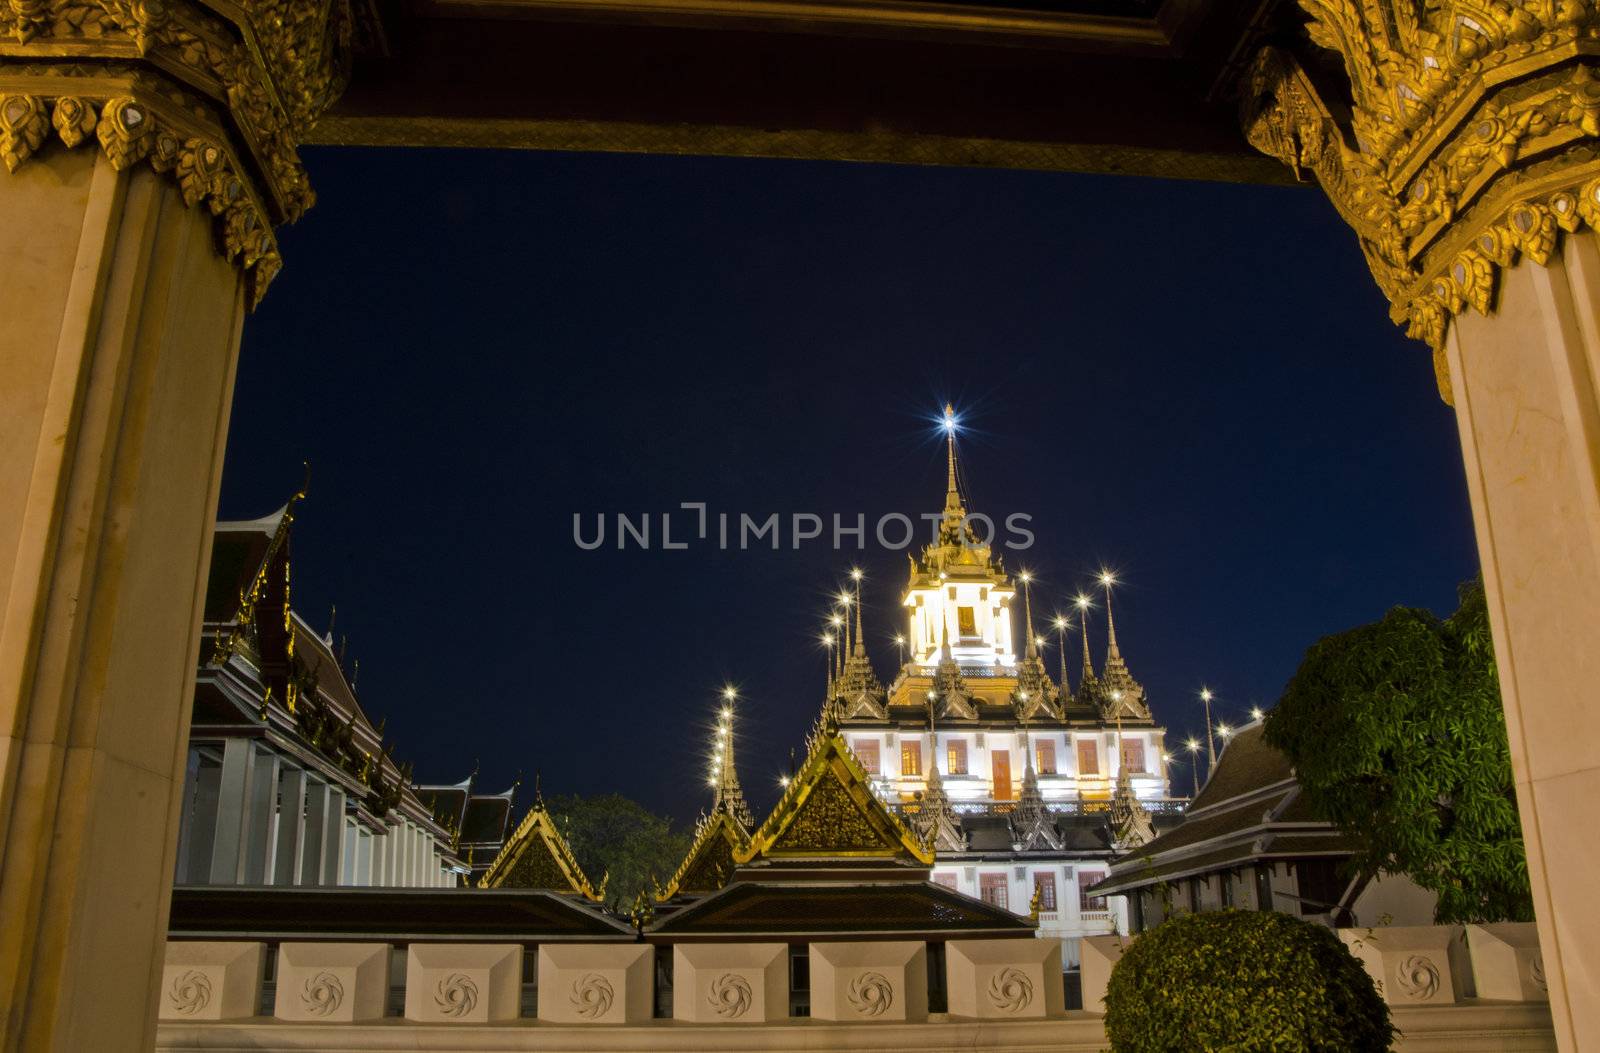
[
  {"x": 829, "y": 814},
  {"x": 265, "y": 667},
  {"x": 537, "y": 856}
]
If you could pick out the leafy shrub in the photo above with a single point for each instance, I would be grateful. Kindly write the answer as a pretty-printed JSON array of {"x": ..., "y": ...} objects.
[{"x": 1244, "y": 982}]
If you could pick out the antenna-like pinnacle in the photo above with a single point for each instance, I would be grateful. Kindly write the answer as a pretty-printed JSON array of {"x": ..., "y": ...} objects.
[
  {"x": 1083, "y": 628},
  {"x": 1107, "y": 579},
  {"x": 1032, "y": 649}
]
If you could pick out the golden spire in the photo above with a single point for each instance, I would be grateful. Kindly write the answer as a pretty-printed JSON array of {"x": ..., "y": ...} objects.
[
  {"x": 729, "y": 796},
  {"x": 860, "y": 647},
  {"x": 1061, "y": 626},
  {"x": 1032, "y": 648},
  {"x": 1107, "y": 579},
  {"x": 952, "y": 495},
  {"x": 1083, "y": 628}
]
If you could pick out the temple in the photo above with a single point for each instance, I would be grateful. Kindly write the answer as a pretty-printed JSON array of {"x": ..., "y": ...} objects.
[
  {"x": 1025, "y": 787},
  {"x": 288, "y": 781}
]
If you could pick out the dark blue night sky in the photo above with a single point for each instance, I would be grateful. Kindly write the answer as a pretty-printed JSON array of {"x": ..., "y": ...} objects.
[{"x": 1195, "y": 384}]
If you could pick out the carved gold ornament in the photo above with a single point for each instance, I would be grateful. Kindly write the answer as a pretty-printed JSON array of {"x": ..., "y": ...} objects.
[
  {"x": 1473, "y": 139},
  {"x": 216, "y": 97}
]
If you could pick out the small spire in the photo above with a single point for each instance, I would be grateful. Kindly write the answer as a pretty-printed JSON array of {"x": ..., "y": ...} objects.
[
  {"x": 1066, "y": 689},
  {"x": 860, "y": 650},
  {"x": 729, "y": 796},
  {"x": 1111, "y": 626},
  {"x": 1032, "y": 649},
  {"x": 1083, "y": 625},
  {"x": 952, "y": 494}
]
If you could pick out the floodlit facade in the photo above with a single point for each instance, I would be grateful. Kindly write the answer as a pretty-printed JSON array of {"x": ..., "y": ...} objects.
[{"x": 1027, "y": 786}]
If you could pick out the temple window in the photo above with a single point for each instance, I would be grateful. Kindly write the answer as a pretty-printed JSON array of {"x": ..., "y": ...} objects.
[
  {"x": 993, "y": 890},
  {"x": 1086, "y": 878},
  {"x": 910, "y": 757},
  {"x": 956, "y": 758},
  {"x": 1044, "y": 885},
  {"x": 866, "y": 751},
  {"x": 966, "y": 621},
  {"x": 1133, "y": 755},
  {"x": 1045, "y": 756},
  {"x": 1088, "y": 757}
]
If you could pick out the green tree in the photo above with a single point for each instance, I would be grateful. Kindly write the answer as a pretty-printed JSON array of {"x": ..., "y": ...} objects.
[
  {"x": 1397, "y": 737},
  {"x": 615, "y": 835}
]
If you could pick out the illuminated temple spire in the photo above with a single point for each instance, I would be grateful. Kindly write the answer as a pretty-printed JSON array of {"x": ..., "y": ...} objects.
[
  {"x": 1034, "y": 689},
  {"x": 859, "y": 691},
  {"x": 1088, "y": 676},
  {"x": 729, "y": 796},
  {"x": 1119, "y": 690},
  {"x": 952, "y": 497}
]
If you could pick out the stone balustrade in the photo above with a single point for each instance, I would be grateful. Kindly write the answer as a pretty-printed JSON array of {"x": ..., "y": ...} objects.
[
  {"x": 1451, "y": 988},
  {"x": 1412, "y": 965}
]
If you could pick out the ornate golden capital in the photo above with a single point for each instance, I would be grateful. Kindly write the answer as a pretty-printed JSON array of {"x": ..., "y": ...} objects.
[
  {"x": 1469, "y": 139},
  {"x": 216, "y": 93}
]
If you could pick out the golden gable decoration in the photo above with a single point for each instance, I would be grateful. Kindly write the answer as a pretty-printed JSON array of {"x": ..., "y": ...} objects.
[
  {"x": 537, "y": 856},
  {"x": 709, "y": 863},
  {"x": 829, "y": 812},
  {"x": 1472, "y": 140}
]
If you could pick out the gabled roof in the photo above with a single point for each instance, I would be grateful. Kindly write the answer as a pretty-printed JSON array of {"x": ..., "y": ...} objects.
[
  {"x": 1249, "y": 810},
  {"x": 792, "y": 909},
  {"x": 709, "y": 862},
  {"x": 829, "y": 812},
  {"x": 537, "y": 856}
]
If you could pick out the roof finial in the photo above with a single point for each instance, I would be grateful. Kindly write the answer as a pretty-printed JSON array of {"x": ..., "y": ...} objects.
[
  {"x": 729, "y": 796},
  {"x": 1083, "y": 627},
  {"x": 1062, "y": 625},
  {"x": 952, "y": 496},
  {"x": 1108, "y": 579},
  {"x": 1032, "y": 648},
  {"x": 860, "y": 648}
]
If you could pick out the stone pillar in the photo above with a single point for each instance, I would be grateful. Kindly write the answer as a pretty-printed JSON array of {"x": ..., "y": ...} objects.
[
  {"x": 145, "y": 176},
  {"x": 260, "y": 828},
  {"x": 227, "y": 848},
  {"x": 1468, "y": 167},
  {"x": 1526, "y": 383},
  {"x": 316, "y": 836},
  {"x": 291, "y": 833}
]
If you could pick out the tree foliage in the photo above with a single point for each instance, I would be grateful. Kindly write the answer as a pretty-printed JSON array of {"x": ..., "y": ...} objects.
[
  {"x": 615, "y": 835},
  {"x": 1397, "y": 737},
  {"x": 1243, "y": 981}
]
